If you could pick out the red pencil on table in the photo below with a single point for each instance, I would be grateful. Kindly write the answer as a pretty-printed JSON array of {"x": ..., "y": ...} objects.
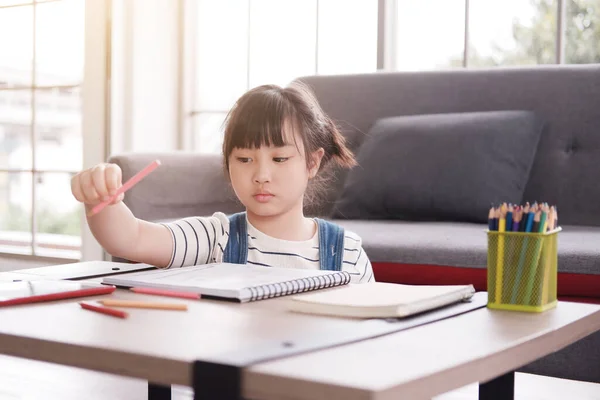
[
  {"x": 127, "y": 185},
  {"x": 104, "y": 310},
  {"x": 168, "y": 293}
]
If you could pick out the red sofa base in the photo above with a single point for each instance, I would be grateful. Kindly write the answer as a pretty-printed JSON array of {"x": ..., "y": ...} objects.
[{"x": 571, "y": 287}]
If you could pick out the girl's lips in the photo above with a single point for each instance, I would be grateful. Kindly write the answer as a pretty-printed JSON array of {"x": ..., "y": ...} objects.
[{"x": 263, "y": 197}]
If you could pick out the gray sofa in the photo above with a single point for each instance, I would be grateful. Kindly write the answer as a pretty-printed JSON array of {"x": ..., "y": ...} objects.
[{"x": 558, "y": 115}]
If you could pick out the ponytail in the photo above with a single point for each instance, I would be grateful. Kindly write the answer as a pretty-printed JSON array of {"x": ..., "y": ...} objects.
[{"x": 336, "y": 150}]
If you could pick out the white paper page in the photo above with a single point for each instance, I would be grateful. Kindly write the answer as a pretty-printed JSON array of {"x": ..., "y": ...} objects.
[{"x": 230, "y": 277}]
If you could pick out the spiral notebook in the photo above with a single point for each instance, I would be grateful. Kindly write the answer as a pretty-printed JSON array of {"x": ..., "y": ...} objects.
[{"x": 235, "y": 282}]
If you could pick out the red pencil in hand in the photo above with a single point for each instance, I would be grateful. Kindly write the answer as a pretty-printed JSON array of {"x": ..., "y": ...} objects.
[{"x": 126, "y": 186}]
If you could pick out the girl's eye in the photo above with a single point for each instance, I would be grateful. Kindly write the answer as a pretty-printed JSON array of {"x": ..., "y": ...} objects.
[
  {"x": 280, "y": 159},
  {"x": 243, "y": 159}
]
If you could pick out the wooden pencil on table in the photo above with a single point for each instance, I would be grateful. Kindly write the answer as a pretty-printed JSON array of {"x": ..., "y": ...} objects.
[
  {"x": 104, "y": 310},
  {"x": 167, "y": 293},
  {"x": 144, "y": 304}
]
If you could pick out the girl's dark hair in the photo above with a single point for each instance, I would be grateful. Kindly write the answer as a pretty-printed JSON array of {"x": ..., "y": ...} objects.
[{"x": 258, "y": 117}]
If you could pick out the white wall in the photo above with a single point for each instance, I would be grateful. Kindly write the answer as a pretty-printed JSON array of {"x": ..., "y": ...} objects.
[
  {"x": 94, "y": 100},
  {"x": 145, "y": 76}
]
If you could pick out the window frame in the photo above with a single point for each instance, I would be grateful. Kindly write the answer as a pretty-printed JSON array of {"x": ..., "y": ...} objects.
[{"x": 94, "y": 114}]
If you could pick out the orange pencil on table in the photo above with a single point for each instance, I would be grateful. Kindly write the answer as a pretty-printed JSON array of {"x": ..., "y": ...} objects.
[
  {"x": 126, "y": 186},
  {"x": 143, "y": 304},
  {"x": 167, "y": 293},
  {"x": 104, "y": 310}
]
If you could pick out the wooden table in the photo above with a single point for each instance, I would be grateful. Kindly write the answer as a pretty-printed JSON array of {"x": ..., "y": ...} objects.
[
  {"x": 162, "y": 347},
  {"x": 428, "y": 360},
  {"x": 74, "y": 271}
]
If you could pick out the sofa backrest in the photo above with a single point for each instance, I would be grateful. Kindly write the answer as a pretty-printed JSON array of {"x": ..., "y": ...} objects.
[
  {"x": 188, "y": 184},
  {"x": 566, "y": 170}
]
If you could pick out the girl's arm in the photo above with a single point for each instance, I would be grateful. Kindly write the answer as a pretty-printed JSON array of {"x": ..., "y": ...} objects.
[
  {"x": 123, "y": 235},
  {"x": 198, "y": 240},
  {"x": 117, "y": 230}
]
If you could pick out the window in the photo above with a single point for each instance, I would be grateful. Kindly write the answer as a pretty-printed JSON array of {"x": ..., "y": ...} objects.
[
  {"x": 512, "y": 32},
  {"x": 41, "y": 70},
  {"x": 235, "y": 45},
  {"x": 582, "y": 44},
  {"x": 430, "y": 34},
  {"x": 241, "y": 44}
]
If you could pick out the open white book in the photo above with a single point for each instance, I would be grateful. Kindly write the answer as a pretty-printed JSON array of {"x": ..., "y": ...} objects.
[
  {"x": 379, "y": 300},
  {"x": 235, "y": 282}
]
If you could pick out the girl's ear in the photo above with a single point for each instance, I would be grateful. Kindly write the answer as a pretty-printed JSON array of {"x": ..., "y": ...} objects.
[{"x": 315, "y": 162}]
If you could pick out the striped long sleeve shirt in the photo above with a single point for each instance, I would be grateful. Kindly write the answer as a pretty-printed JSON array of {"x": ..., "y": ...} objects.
[{"x": 201, "y": 240}]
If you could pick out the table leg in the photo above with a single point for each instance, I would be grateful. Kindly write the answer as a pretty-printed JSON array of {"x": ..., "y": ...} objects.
[
  {"x": 158, "y": 392},
  {"x": 500, "y": 388},
  {"x": 217, "y": 381}
]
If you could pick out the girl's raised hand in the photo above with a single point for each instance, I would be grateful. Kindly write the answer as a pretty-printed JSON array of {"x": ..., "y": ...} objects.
[{"x": 97, "y": 184}]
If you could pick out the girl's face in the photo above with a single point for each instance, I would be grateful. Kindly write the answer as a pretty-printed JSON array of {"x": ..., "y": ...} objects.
[{"x": 270, "y": 181}]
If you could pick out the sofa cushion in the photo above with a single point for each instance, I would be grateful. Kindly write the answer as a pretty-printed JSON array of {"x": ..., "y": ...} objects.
[
  {"x": 463, "y": 244},
  {"x": 441, "y": 166},
  {"x": 187, "y": 184}
]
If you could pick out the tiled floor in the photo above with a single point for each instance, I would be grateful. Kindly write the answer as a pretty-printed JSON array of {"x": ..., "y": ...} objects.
[{"x": 27, "y": 380}]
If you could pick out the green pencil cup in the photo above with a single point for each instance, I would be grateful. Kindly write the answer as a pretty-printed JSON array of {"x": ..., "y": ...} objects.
[{"x": 522, "y": 270}]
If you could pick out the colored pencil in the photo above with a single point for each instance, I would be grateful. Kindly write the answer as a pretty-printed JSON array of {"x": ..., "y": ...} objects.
[
  {"x": 517, "y": 219},
  {"x": 533, "y": 267},
  {"x": 509, "y": 218},
  {"x": 491, "y": 218},
  {"x": 144, "y": 304},
  {"x": 525, "y": 217},
  {"x": 537, "y": 218},
  {"x": 543, "y": 219},
  {"x": 536, "y": 221},
  {"x": 527, "y": 227},
  {"x": 500, "y": 256},
  {"x": 168, "y": 293},
  {"x": 548, "y": 261},
  {"x": 126, "y": 186},
  {"x": 104, "y": 310}
]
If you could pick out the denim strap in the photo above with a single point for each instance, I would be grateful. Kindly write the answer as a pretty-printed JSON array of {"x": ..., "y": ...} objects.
[
  {"x": 331, "y": 245},
  {"x": 236, "y": 251}
]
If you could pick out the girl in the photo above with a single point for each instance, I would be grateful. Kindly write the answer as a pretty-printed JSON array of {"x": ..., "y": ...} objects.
[{"x": 276, "y": 140}]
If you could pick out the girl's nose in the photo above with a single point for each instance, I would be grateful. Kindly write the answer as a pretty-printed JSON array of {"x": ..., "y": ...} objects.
[{"x": 262, "y": 174}]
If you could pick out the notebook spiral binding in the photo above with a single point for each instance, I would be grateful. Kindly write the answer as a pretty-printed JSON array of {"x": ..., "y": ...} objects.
[{"x": 299, "y": 285}]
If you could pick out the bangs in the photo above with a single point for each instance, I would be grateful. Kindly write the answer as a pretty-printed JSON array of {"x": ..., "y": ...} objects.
[{"x": 258, "y": 120}]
